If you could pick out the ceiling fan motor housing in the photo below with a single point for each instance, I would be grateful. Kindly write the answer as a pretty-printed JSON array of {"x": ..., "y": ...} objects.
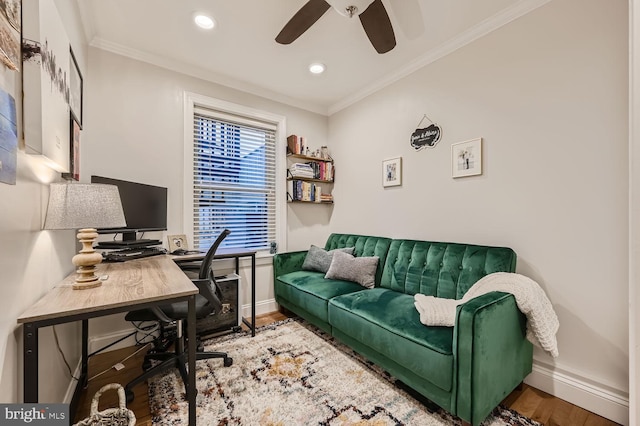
[{"x": 350, "y": 8}]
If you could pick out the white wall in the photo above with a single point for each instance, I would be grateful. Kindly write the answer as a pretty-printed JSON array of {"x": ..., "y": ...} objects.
[
  {"x": 634, "y": 212},
  {"x": 548, "y": 95},
  {"x": 135, "y": 132},
  {"x": 32, "y": 260}
]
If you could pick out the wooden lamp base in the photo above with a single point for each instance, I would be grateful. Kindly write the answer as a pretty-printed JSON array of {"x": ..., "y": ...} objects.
[{"x": 86, "y": 261}]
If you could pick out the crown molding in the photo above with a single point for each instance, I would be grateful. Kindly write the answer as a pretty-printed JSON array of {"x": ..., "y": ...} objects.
[
  {"x": 477, "y": 31},
  {"x": 203, "y": 74},
  {"x": 483, "y": 28}
]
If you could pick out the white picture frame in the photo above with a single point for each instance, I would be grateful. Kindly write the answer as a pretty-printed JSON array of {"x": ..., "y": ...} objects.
[
  {"x": 466, "y": 158},
  {"x": 176, "y": 242},
  {"x": 392, "y": 172}
]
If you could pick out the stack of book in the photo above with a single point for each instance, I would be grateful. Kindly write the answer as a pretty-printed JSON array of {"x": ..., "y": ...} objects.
[
  {"x": 302, "y": 170},
  {"x": 326, "y": 198}
]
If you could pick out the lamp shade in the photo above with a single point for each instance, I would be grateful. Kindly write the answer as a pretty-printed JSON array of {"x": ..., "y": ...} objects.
[{"x": 84, "y": 205}]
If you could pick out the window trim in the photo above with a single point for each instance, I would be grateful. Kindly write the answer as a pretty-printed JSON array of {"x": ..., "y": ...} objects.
[{"x": 193, "y": 100}]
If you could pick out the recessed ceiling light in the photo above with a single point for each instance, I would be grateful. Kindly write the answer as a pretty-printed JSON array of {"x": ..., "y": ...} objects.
[
  {"x": 204, "y": 21},
  {"x": 317, "y": 68}
]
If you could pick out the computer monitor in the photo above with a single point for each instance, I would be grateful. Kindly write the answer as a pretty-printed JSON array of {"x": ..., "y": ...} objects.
[{"x": 145, "y": 209}]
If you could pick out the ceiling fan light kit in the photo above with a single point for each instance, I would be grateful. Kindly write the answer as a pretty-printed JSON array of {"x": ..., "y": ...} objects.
[{"x": 373, "y": 17}]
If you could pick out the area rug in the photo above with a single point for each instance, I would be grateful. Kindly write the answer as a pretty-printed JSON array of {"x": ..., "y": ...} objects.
[{"x": 291, "y": 373}]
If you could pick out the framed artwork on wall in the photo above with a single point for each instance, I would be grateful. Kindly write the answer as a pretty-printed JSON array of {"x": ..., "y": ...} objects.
[
  {"x": 75, "y": 89},
  {"x": 8, "y": 138},
  {"x": 74, "y": 153},
  {"x": 392, "y": 172},
  {"x": 45, "y": 67},
  {"x": 10, "y": 28},
  {"x": 466, "y": 158}
]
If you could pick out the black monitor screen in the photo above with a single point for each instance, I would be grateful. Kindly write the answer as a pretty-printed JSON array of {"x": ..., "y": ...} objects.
[{"x": 145, "y": 206}]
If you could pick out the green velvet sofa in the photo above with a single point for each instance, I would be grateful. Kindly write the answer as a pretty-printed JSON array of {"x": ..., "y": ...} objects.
[{"x": 467, "y": 369}]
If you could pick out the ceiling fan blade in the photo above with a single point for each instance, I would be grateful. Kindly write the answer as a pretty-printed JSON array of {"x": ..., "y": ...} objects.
[
  {"x": 377, "y": 25},
  {"x": 302, "y": 20}
]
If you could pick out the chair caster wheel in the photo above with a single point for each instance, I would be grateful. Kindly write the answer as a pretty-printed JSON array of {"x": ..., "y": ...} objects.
[
  {"x": 129, "y": 395},
  {"x": 228, "y": 362}
]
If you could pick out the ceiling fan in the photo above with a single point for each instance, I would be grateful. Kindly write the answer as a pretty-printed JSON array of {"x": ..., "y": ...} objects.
[{"x": 372, "y": 14}]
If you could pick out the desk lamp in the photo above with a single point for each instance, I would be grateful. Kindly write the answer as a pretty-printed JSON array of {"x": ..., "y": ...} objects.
[{"x": 85, "y": 207}]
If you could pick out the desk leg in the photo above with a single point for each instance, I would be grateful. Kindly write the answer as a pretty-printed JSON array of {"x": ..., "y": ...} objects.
[
  {"x": 85, "y": 354},
  {"x": 253, "y": 295},
  {"x": 30, "y": 348},
  {"x": 191, "y": 338}
]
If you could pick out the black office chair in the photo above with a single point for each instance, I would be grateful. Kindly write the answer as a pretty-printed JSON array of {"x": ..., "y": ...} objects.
[{"x": 207, "y": 303}]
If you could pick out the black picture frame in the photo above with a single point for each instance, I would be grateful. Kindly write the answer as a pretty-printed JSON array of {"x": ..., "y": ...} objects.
[
  {"x": 74, "y": 150},
  {"x": 76, "y": 88}
]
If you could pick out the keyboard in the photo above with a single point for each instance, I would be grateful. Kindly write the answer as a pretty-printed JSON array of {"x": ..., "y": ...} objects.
[{"x": 131, "y": 253}]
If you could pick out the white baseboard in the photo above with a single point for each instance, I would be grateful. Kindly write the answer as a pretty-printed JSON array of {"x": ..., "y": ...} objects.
[
  {"x": 262, "y": 307},
  {"x": 68, "y": 396},
  {"x": 610, "y": 403}
]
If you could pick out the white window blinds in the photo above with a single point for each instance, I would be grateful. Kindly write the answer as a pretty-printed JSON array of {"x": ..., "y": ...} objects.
[{"x": 233, "y": 180}]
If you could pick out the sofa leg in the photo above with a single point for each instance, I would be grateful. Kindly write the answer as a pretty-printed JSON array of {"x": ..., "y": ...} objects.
[
  {"x": 465, "y": 423},
  {"x": 520, "y": 387}
]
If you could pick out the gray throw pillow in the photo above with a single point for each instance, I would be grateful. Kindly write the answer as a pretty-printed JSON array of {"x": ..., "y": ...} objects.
[
  {"x": 361, "y": 270},
  {"x": 318, "y": 259}
]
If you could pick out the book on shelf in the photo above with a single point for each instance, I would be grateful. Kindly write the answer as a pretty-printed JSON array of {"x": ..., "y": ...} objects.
[
  {"x": 296, "y": 144},
  {"x": 299, "y": 190}
]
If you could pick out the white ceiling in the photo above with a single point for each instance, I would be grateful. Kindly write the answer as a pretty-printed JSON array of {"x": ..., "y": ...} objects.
[{"x": 241, "y": 51}]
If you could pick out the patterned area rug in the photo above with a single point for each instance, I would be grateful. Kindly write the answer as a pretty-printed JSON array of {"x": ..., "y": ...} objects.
[{"x": 291, "y": 373}]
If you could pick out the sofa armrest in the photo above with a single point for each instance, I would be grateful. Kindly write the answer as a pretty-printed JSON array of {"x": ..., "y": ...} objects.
[
  {"x": 283, "y": 263},
  {"x": 492, "y": 354}
]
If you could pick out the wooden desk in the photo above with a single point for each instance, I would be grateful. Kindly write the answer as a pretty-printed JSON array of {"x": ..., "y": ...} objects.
[
  {"x": 131, "y": 285},
  {"x": 236, "y": 254}
]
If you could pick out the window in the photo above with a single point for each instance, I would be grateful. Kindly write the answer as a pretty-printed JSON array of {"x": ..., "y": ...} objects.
[{"x": 233, "y": 180}]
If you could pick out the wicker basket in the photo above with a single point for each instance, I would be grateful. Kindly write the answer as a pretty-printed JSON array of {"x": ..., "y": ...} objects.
[{"x": 120, "y": 416}]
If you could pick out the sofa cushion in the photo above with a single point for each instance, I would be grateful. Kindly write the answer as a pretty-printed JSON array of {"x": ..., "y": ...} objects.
[
  {"x": 361, "y": 270},
  {"x": 441, "y": 269},
  {"x": 387, "y": 322},
  {"x": 311, "y": 291},
  {"x": 364, "y": 246},
  {"x": 319, "y": 259}
]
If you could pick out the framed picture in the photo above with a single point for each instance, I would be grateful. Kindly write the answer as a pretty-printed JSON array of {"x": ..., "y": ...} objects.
[
  {"x": 10, "y": 28},
  {"x": 177, "y": 242},
  {"x": 45, "y": 71},
  {"x": 392, "y": 172},
  {"x": 74, "y": 153},
  {"x": 75, "y": 89},
  {"x": 466, "y": 158},
  {"x": 8, "y": 138}
]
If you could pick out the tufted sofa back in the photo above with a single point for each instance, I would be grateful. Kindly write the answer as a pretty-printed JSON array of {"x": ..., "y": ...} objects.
[
  {"x": 365, "y": 246},
  {"x": 441, "y": 269}
]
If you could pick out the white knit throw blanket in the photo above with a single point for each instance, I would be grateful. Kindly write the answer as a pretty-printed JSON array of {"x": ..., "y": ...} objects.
[{"x": 542, "y": 321}]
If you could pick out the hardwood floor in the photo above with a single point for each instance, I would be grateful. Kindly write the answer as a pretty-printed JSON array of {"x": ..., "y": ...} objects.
[{"x": 528, "y": 401}]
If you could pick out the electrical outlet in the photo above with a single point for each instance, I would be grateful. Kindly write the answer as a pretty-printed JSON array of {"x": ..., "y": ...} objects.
[
  {"x": 226, "y": 307},
  {"x": 119, "y": 366},
  {"x": 0, "y": 165}
]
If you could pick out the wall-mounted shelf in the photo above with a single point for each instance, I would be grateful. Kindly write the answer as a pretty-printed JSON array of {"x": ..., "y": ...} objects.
[{"x": 319, "y": 178}]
